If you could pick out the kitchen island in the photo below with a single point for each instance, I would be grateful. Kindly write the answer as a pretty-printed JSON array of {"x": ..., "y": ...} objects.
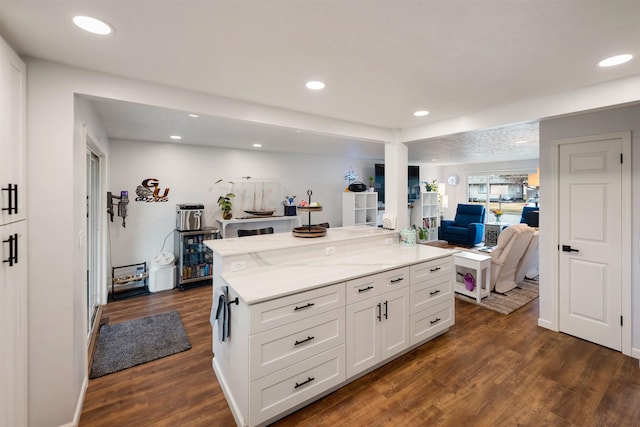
[{"x": 307, "y": 316}]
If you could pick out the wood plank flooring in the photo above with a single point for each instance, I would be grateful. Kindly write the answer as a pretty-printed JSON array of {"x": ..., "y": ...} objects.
[{"x": 488, "y": 370}]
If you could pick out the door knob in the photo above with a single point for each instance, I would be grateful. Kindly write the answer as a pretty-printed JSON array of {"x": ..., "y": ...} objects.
[{"x": 567, "y": 248}]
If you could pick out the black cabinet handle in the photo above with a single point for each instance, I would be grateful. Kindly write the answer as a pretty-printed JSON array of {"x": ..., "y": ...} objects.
[
  {"x": 437, "y": 319},
  {"x": 304, "y": 340},
  {"x": 386, "y": 310},
  {"x": 365, "y": 289},
  {"x": 379, "y": 312},
  {"x": 303, "y": 306},
  {"x": 13, "y": 250},
  {"x": 12, "y": 198},
  {"x": 399, "y": 279},
  {"x": 308, "y": 380},
  {"x": 437, "y": 291},
  {"x": 434, "y": 269}
]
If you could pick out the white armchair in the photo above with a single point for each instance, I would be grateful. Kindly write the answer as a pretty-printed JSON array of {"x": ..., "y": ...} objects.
[
  {"x": 505, "y": 257},
  {"x": 528, "y": 266}
]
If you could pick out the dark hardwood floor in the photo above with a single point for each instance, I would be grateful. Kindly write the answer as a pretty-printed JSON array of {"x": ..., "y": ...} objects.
[{"x": 488, "y": 370}]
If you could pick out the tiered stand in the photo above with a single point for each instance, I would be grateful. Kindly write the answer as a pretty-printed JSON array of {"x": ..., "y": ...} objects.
[{"x": 309, "y": 230}]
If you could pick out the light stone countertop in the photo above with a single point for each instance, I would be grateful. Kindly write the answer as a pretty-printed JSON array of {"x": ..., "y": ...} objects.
[
  {"x": 270, "y": 282},
  {"x": 266, "y": 242}
]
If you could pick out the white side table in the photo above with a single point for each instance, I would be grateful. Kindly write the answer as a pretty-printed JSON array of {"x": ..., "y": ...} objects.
[
  {"x": 492, "y": 231},
  {"x": 482, "y": 266}
]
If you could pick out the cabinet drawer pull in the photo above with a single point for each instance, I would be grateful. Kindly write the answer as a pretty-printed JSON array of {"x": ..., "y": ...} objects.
[
  {"x": 386, "y": 310},
  {"x": 13, "y": 250},
  {"x": 304, "y": 340},
  {"x": 12, "y": 191},
  {"x": 379, "y": 312},
  {"x": 304, "y": 306},
  {"x": 365, "y": 289},
  {"x": 399, "y": 279},
  {"x": 308, "y": 380},
  {"x": 437, "y": 319},
  {"x": 434, "y": 269},
  {"x": 437, "y": 291}
]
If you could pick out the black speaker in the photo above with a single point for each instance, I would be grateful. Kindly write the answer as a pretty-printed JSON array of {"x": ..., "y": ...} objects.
[{"x": 357, "y": 187}]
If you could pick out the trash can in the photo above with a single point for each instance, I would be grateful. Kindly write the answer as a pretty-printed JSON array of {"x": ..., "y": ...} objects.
[{"x": 162, "y": 272}]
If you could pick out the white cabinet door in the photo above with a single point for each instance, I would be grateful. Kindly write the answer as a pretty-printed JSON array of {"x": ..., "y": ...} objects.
[
  {"x": 12, "y": 136},
  {"x": 394, "y": 325},
  {"x": 362, "y": 337},
  {"x": 377, "y": 328},
  {"x": 13, "y": 324}
]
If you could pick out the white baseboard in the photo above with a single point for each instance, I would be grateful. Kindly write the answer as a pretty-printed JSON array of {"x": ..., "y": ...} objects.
[
  {"x": 635, "y": 353},
  {"x": 546, "y": 324},
  {"x": 79, "y": 404}
]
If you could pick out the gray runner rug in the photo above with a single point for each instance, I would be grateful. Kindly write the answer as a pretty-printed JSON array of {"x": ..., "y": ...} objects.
[
  {"x": 510, "y": 301},
  {"x": 134, "y": 342}
]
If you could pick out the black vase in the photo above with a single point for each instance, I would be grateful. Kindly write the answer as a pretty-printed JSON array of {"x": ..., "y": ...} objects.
[{"x": 289, "y": 211}]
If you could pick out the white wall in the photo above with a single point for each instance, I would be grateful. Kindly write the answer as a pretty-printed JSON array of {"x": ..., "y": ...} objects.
[
  {"x": 190, "y": 172},
  {"x": 56, "y": 253},
  {"x": 593, "y": 123}
]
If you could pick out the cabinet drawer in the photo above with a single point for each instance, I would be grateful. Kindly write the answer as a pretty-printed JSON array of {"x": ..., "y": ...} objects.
[
  {"x": 436, "y": 268},
  {"x": 431, "y": 292},
  {"x": 283, "y": 346},
  {"x": 278, "y": 312},
  {"x": 427, "y": 323},
  {"x": 376, "y": 284},
  {"x": 284, "y": 389}
]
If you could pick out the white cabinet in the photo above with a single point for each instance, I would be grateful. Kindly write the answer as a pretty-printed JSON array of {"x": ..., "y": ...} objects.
[
  {"x": 424, "y": 214},
  {"x": 12, "y": 136},
  {"x": 377, "y": 326},
  {"x": 432, "y": 299},
  {"x": 13, "y": 324},
  {"x": 295, "y": 351},
  {"x": 13, "y": 240},
  {"x": 359, "y": 208},
  {"x": 289, "y": 350}
]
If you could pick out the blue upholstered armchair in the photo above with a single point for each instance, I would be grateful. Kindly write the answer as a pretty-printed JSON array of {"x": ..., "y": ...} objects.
[
  {"x": 467, "y": 228},
  {"x": 525, "y": 211}
]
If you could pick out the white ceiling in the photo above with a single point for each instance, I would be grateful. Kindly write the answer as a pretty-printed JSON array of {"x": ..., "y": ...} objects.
[{"x": 381, "y": 59}]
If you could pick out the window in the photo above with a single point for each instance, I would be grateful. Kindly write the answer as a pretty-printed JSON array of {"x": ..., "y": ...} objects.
[{"x": 508, "y": 192}]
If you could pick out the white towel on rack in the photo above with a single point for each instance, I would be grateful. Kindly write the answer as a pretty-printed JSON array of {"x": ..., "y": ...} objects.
[{"x": 222, "y": 312}]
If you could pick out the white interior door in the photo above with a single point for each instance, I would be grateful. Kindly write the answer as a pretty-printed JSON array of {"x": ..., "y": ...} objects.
[{"x": 590, "y": 240}]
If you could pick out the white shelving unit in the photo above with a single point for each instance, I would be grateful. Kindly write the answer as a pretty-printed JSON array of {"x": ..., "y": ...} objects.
[
  {"x": 359, "y": 208},
  {"x": 425, "y": 213}
]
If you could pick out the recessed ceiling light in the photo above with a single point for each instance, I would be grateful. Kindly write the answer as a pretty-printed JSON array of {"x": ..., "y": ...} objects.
[
  {"x": 615, "y": 60},
  {"x": 257, "y": 145},
  {"x": 421, "y": 113},
  {"x": 175, "y": 137},
  {"x": 92, "y": 25},
  {"x": 434, "y": 160},
  {"x": 519, "y": 142},
  {"x": 195, "y": 116},
  {"x": 315, "y": 85}
]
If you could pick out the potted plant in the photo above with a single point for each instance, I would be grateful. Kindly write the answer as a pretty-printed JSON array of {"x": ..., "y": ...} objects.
[
  {"x": 226, "y": 205},
  {"x": 371, "y": 183}
]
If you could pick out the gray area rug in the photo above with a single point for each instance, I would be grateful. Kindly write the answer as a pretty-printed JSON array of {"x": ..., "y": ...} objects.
[
  {"x": 134, "y": 342},
  {"x": 510, "y": 301}
]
